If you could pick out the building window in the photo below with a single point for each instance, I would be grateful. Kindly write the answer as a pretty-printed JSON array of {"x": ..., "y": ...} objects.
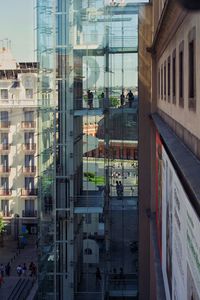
[
  {"x": 191, "y": 70},
  {"x": 4, "y": 94},
  {"x": 4, "y": 161},
  {"x": 169, "y": 78},
  {"x": 174, "y": 76},
  {"x": 29, "y": 116},
  {"x": 29, "y": 183},
  {"x": 162, "y": 82},
  {"x": 88, "y": 219},
  {"x": 4, "y": 116},
  {"x": 5, "y": 208},
  {"x": 29, "y": 206},
  {"x": 29, "y": 161},
  {"x": 159, "y": 93},
  {"x": 29, "y": 137},
  {"x": 5, "y": 183},
  {"x": 88, "y": 251},
  {"x": 4, "y": 138},
  {"x": 165, "y": 78},
  {"x": 181, "y": 74},
  {"x": 29, "y": 93}
]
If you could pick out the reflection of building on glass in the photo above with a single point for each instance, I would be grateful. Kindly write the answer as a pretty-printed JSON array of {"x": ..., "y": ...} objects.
[
  {"x": 159, "y": 219},
  {"x": 175, "y": 290},
  {"x": 192, "y": 293},
  {"x": 169, "y": 226}
]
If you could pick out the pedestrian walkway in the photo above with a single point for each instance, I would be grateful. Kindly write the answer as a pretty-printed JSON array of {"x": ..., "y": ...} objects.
[{"x": 11, "y": 253}]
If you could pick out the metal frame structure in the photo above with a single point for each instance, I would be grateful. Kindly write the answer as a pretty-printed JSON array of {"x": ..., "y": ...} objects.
[{"x": 62, "y": 45}]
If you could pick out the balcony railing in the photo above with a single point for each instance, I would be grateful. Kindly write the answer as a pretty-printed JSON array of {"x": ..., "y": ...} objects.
[
  {"x": 6, "y": 214},
  {"x": 4, "y": 169},
  {"x": 18, "y": 102},
  {"x": 5, "y": 192},
  {"x": 28, "y": 124},
  {"x": 29, "y": 213},
  {"x": 4, "y": 125},
  {"x": 4, "y": 147},
  {"x": 29, "y": 170},
  {"x": 29, "y": 147},
  {"x": 29, "y": 192}
]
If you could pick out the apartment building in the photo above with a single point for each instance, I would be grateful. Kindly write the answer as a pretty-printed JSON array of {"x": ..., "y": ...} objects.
[
  {"x": 18, "y": 143},
  {"x": 169, "y": 185}
]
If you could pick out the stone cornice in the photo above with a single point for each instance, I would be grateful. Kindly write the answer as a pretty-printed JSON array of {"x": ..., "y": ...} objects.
[{"x": 171, "y": 19}]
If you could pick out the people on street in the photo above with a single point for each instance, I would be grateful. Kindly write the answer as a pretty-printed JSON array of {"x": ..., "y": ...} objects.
[
  {"x": 24, "y": 269},
  {"x": 19, "y": 270},
  {"x": 90, "y": 99},
  {"x": 98, "y": 276},
  {"x": 2, "y": 270},
  {"x": 130, "y": 97},
  {"x": 117, "y": 189},
  {"x": 7, "y": 269},
  {"x": 121, "y": 190},
  {"x": 122, "y": 99},
  {"x": 1, "y": 280}
]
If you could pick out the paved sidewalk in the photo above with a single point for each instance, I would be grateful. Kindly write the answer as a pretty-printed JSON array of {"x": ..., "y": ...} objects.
[{"x": 10, "y": 253}]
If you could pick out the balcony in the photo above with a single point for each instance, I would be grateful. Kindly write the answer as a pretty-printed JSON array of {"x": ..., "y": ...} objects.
[
  {"x": 5, "y": 170},
  {"x": 28, "y": 125},
  {"x": 29, "y": 213},
  {"x": 4, "y": 125},
  {"x": 4, "y": 148},
  {"x": 18, "y": 103},
  {"x": 5, "y": 192},
  {"x": 29, "y": 148},
  {"x": 30, "y": 170},
  {"x": 29, "y": 192},
  {"x": 6, "y": 214}
]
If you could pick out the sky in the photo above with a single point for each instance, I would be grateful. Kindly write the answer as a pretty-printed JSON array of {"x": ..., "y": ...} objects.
[{"x": 17, "y": 25}]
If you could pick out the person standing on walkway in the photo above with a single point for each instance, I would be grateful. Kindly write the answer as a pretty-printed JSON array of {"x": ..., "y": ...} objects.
[
  {"x": 117, "y": 189},
  {"x": 7, "y": 269},
  {"x": 34, "y": 271},
  {"x": 2, "y": 270},
  {"x": 31, "y": 268},
  {"x": 1, "y": 280},
  {"x": 130, "y": 97},
  {"x": 19, "y": 270},
  {"x": 24, "y": 269},
  {"x": 98, "y": 276},
  {"x": 121, "y": 190},
  {"x": 122, "y": 99},
  {"x": 90, "y": 99}
]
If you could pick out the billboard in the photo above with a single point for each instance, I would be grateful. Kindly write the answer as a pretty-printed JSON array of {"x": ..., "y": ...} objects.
[{"x": 180, "y": 238}]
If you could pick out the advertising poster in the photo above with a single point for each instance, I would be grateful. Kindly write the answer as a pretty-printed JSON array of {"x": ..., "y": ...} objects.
[{"x": 180, "y": 238}]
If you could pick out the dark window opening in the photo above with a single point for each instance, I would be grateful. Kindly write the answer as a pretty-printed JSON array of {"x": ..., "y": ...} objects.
[
  {"x": 162, "y": 82},
  {"x": 169, "y": 77},
  {"x": 165, "y": 78},
  {"x": 181, "y": 78},
  {"x": 191, "y": 70},
  {"x": 174, "y": 78},
  {"x": 159, "y": 96},
  {"x": 88, "y": 251}
]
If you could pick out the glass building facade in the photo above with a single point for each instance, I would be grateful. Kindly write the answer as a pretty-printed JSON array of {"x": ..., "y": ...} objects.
[{"x": 87, "y": 53}]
